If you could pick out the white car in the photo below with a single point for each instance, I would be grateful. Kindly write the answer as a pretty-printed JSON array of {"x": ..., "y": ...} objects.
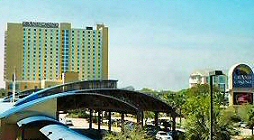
[
  {"x": 161, "y": 135},
  {"x": 69, "y": 123},
  {"x": 243, "y": 124}
]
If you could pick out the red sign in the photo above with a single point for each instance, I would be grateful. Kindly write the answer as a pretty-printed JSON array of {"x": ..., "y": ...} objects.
[{"x": 242, "y": 98}]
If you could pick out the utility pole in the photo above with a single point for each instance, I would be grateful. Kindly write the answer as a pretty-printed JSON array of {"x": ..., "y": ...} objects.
[
  {"x": 13, "y": 86},
  {"x": 212, "y": 117}
]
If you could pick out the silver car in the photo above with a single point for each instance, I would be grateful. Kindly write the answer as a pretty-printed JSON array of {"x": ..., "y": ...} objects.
[{"x": 161, "y": 135}]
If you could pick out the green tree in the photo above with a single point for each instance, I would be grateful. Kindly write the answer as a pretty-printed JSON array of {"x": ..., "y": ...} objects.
[
  {"x": 128, "y": 134},
  {"x": 246, "y": 113},
  {"x": 180, "y": 99},
  {"x": 151, "y": 92},
  {"x": 196, "y": 109},
  {"x": 174, "y": 99},
  {"x": 148, "y": 115},
  {"x": 3, "y": 92}
]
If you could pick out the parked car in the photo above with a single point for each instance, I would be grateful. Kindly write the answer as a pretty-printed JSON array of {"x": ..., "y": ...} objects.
[
  {"x": 161, "y": 135},
  {"x": 69, "y": 123},
  {"x": 179, "y": 135},
  {"x": 243, "y": 124},
  {"x": 130, "y": 125},
  {"x": 150, "y": 130}
]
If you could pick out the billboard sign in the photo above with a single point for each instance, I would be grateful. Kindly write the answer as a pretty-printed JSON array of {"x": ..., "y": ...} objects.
[
  {"x": 240, "y": 98},
  {"x": 40, "y": 24},
  {"x": 243, "y": 77}
]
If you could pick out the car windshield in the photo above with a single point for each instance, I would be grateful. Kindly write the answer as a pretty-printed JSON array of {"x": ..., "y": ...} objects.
[{"x": 163, "y": 133}]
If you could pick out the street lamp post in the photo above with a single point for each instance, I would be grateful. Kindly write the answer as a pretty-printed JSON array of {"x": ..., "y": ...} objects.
[{"x": 211, "y": 75}]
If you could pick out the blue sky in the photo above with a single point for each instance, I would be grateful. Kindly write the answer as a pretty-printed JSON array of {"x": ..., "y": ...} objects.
[{"x": 153, "y": 43}]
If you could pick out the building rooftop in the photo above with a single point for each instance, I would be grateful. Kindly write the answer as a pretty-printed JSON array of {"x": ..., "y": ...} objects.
[{"x": 205, "y": 72}]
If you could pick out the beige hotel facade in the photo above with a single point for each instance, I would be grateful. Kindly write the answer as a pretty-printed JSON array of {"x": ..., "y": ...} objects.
[{"x": 46, "y": 54}]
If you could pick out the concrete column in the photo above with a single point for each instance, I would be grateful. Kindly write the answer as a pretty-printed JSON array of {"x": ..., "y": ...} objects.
[
  {"x": 90, "y": 119},
  {"x": 174, "y": 125},
  {"x": 142, "y": 119},
  {"x": 22, "y": 132},
  {"x": 138, "y": 117},
  {"x": 99, "y": 120},
  {"x": 122, "y": 121},
  {"x": 57, "y": 115},
  {"x": 156, "y": 118},
  {"x": 109, "y": 121}
]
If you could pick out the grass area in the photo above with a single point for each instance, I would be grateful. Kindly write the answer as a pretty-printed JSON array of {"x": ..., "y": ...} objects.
[{"x": 77, "y": 114}]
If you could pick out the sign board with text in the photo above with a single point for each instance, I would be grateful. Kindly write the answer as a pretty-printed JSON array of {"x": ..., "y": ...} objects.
[
  {"x": 243, "y": 77},
  {"x": 40, "y": 24},
  {"x": 240, "y": 98}
]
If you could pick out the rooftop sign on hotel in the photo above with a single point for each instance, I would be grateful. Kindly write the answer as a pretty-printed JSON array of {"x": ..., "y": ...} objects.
[{"x": 40, "y": 24}]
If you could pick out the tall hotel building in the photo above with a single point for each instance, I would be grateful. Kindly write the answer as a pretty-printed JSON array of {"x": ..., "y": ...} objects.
[{"x": 46, "y": 54}]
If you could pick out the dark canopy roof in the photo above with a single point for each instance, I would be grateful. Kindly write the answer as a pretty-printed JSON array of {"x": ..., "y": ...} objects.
[
  {"x": 94, "y": 101},
  {"x": 140, "y": 100},
  {"x": 72, "y": 100},
  {"x": 82, "y": 94}
]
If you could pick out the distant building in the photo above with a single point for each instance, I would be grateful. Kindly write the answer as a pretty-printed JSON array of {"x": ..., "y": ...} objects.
[
  {"x": 202, "y": 77},
  {"x": 198, "y": 77},
  {"x": 40, "y": 53},
  {"x": 237, "y": 83}
]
